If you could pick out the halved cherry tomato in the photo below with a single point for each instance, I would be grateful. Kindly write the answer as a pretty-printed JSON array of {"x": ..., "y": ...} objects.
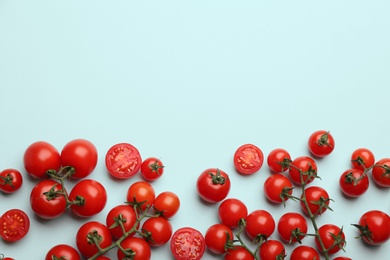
[
  {"x": 123, "y": 160},
  {"x": 187, "y": 243},
  {"x": 10, "y": 180},
  {"x": 14, "y": 225},
  {"x": 248, "y": 159}
]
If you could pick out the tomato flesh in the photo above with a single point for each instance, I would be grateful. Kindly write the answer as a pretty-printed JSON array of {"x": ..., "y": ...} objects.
[
  {"x": 187, "y": 244},
  {"x": 14, "y": 225},
  {"x": 123, "y": 160},
  {"x": 248, "y": 159}
]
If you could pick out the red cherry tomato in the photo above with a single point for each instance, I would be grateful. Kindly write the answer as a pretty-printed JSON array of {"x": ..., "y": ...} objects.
[
  {"x": 278, "y": 188},
  {"x": 317, "y": 200},
  {"x": 248, "y": 159},
  {"x": 374, "y": 227},
  {"x": 305, "y": 166},
  {"x": 62, "y": 251},
  {"x": 142, "y": 193},
  {"x": 158, "y": 230},
  {"x": 259, "y": 224},
  {"x": 381, "y": 172},
  {"x": 82, "y": 155},
  {"x": 238, "y": 253},
  {"x": 213, "y": 185},
  {"x": 321, "y": 143},
  {"x": 94, "y": 198},
  {"x": 14, "y": 225},
  {"x": 362, "y": 158},
  {"x": 10, "y": 180},
  {"x": 47, "y": 200},
  {"x": 152, "y": 168},
  {"x": 138, "y": 245},
  {"x": 89, "y": 232},
  {"x": 128, "y": 218},
  {"x": 304, "y": 253},
  {"x": 330, "y": 234},
  {"x": 353, "y": 182},
  {"x": 216, "y": 238},
  {"x": 167, "y": 203},
  {"x": 40, "y": 157},
  {"x": 292, "y": 227},
  {"x": 342, "y": 258},
  {"x": 123, "y": 160},
  {"x": 231, "y": 211},
  {"x": 187, "y": 243},
  {"x": 272, "y": 250},
  {"x": 278, "y": 160}
]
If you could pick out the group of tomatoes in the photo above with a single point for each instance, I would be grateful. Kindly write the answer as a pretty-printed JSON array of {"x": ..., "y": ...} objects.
[{"x": 144, "y": 220}]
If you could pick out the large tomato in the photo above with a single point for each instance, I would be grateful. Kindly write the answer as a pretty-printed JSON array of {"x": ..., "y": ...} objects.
[
  {"x": 259, "y": 225},
  {"x": 213, "y": 185},
  {"x": 137, "y": 247},
  {"x": 381, "y": 172},
  {"x": 14, "y": 225},
  {"x": 332, "y": 237},
  {"x": 321, "y": 143},
  {"x": 305, "y": 166},
  {"x": 187, "y": 243},
  {"x": 62, "y": 251},
  {"x": 231, "y": 211},
  {"x": 278, "y": 188},
  {"x": 10, "y": 180},
  {"x": 40, "y": 157},
  {"x": 142, "y": 194},
  {"x": 374, "y": 227},
  {"x": 82, "y": 155},
  {"x": 248, "y": 159},
  {"x": 89, "y": 234},
  {"x": 124, "y": 214},
  {"x": 123, "y": 160},
  {"x": 217, "y": 238}
]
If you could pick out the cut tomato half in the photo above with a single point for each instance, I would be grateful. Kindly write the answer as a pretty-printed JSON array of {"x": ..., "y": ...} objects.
[
  {"x": 187, "y": 243},
  {"x": 123, "y": 160},
  {"x": 248, "y": 159},
  {"x": 14, "y": 225}
]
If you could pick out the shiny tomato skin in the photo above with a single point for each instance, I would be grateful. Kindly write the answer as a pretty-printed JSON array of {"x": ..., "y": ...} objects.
[
  {"x": 62, "y": 251},
  {"x": 342, "y": 258},
  {"x": 138, "y": 245},
  {"x": 289, "y": 223},
  {"x": 362, "y": 158},
  {"x": 10, "y": 180},
  {"x": 327, "y": 233},
  {"x": 82, "y": 155},
  {"x": 304, "y": 253},
  {"x": 94, "y": 194},
  {"x": 84, "y": 245},
  {"x": 187, "y": 243},
  {"x": 45, "y": 206},
  {"x": 141, "y": 192},
  {"x": 314, "y": 195},
  {"x": 272, "y": 250},
  {"x": 278, "y": 160},
  {"x": 216, "y": 237},
  {"x": 123, "y": 160},
  {"x": 160, "y": 230},
  {"x": 152, "y": 168},
  {"x": 248, "y": 159},
  {"x": 381, "y": 172},
  {"x": 308, "y": 167},
  {"x": 277, "y": 187},
  {"x": 127, "y": 213},
  {"x": 321, "y": 143},
  {"x": 40, "y": 157},
  {"x": 259, "y": 223},
  {"x": 377, "y": 225},
  {"x": 238, "y": 253},
  {"x": 167, "y": 203},
  {"x": 231, "y": 211},
  {"x": 14, "y": 225},
  {"x": 351, "y": 188},
  {"x": 213, "y": 185}
]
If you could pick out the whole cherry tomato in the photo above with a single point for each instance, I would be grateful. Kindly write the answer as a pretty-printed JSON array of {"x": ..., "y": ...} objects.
[
  {"x": 259, "y": 225},
  {"x": 124, "y": 214},
  {"x": 231, "y": 211},
  {"x": 82, "y": 155},
  {"x": 342, "y": 258},
  {"x": 47, "y": 199},
  {"x": 278, "y": 160},
  {"x": 62, "y": 251},
  {"x": 278, "y": 188},
  {"x": 353, "y": 182},
  {"x": 321, "y": 143},
  {"x": 381, "y": 172},
  {"x": 272, "y": 250},
  {"x": 292, "y": 227},
  {"x": 158, "y": 231},
  {"x": 238, "y": 253},
  {"x": 88, "y": 233},
  {"x": 152, "y": 168},
  {"x": 374, "y": 227},
  {"x": 123, "y": 160},
  {"x": 10, "y": 180},
  {"x": 138, "y": 246},
  {"x": 167, "y": 203},
  {"x": 362, "y": 158},
  {"x": 305, "y": 166},
  {"x": 217, "y": 237},
  {"x": 304, "y": 253},
  {"x": 141, "y": 193},
  {"x": 40, "y": 157},
  {"x": 213, "y": 185},
  {"x": 332, "y": 237},
  {"x": 14, "y": 225},
  {"x": 187, "y": 243},
  {"x": 317, "y": 200},
  {"x": 91, "y": 196},
  {"x": 248, "y": 159}
]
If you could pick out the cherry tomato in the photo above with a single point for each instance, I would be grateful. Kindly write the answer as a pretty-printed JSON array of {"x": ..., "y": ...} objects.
[
  {"x": 332, "y": 237},
  {"x": 142, "y": 193},
  {"x": 187, "y": 243},
  {"x": 124, "y": 214},
  {"x": 89, "y": 232},
  {"x": 231, "y": 211},
  {"x": 278, "y": 188},
  {"x": 238, "y": 253},
  {"x": 94, "y": 198},
  {"x": 158, "y": 231},
  {"x": 321, "y": 143},
  {"x": 47, "y": 199},
  {"x": 342, "y": 258},
  {"x": 138, "y": 246},
  {"x": 14, "y": 225},
  {"x": 374, "y": 227},
  {"x": 10, "y": 180},
  {"x": 353, "y": 182},
  {"x": 278, "y": 160},
  {"x": 62, "y": 251},
  {"x": 248, "y": 159},
  {"x": 292, "y": 227},
  {"x": 259, "y": 224},
  {"x": 5, "y": 258},
  {"x": 123, "y": 160},
  {"x": 167, "y": 203},
  {"x": 40, "y": 157},
  {"x": 82, "y": 155},
  {"x": 213, "y": 185},
  {"x": 317, "y": 200},
  {"x": 304, "y": 253},
  {"x": 152, "y": 168},
  {"x": 272, "y": 250},
  {"x": 217, "y": 236},
  {"x": 305, "y": 166},
  {"x": 362, "y": 158},
  {"x": 381, "y": 172}
]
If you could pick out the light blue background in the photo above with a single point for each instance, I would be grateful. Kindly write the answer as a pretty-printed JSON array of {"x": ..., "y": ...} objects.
[{"x": 189, "y": 82}]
